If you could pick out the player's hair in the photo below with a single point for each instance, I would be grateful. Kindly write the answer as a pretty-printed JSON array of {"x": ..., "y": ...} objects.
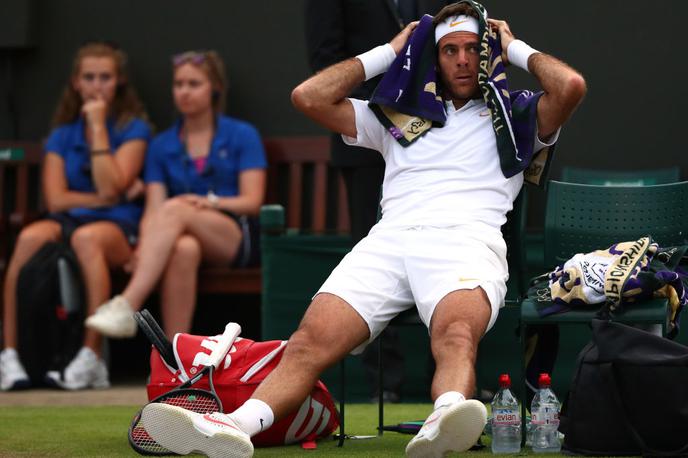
[
  {"x": 454, "y": 9},
  {"x": 211, "y": 64},
  {"x": 126, "y": 104}
]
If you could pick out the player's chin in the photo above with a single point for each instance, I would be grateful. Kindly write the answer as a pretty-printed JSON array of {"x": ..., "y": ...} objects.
[{"x": 464, "y": 93}]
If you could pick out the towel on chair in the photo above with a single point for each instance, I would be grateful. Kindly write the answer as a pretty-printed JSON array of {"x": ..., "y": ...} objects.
[
  {"x": 623, "y": 274},
  {"x": 407, "y": 102}
]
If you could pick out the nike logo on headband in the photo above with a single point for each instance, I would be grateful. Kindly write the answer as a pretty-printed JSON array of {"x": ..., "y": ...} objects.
[{"x": 453, "y": 24}]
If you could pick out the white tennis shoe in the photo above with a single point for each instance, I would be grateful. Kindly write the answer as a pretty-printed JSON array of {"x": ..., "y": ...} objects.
[
  {"x": 449, "y": 428},
  {"x": 12, "y": 373},
  {"x": 86, "y": 370},
  {"x": 181, "y": 431},
  {"x": 115, "y": 318}
]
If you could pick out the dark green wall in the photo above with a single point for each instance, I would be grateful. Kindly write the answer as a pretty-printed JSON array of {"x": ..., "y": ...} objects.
[
  {"x": 261, "y": 42},
  {"x": 628, "y": 52}
]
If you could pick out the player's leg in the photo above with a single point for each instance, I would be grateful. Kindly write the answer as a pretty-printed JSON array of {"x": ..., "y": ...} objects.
[
  {"x": 98, "y": 246},
  {"x": 30, "y": 240},
  {"x": 456, "y": 423},
  {"x": 218, "y": 234},
  {"x": 463, "y": 274},
  {"x": 363, "y": 293},
  {"x": 329, "y": 330},
  {"x": 178, "y": 286},
  {"x": 459, "y": 321}
]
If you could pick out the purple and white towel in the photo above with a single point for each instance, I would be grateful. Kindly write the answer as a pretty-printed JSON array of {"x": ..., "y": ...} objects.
[{"x": 408, "y": 101}]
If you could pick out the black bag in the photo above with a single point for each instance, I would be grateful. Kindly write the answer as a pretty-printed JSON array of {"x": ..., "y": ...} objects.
[
  {"x": 50, "y": 310},
  {"x": 628, "y": 395}
]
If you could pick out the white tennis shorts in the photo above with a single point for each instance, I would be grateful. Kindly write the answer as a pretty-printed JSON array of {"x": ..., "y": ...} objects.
[{"x": 392, "y": 269}]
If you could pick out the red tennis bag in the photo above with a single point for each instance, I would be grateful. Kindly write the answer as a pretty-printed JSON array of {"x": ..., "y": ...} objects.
[{"x": 246, "y": 364}]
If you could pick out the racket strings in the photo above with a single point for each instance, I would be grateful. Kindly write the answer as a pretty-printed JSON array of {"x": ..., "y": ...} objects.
[
  {"x": 194, "y": 400},
  {"x": 142, "y": 441}
]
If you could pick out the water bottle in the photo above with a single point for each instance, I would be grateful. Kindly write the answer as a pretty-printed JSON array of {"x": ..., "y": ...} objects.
[
  {"x": 506, "y": 419},
  {"x": 544, "y": 413}
]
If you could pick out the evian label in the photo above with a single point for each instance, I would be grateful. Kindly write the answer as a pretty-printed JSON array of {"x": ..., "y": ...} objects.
[
  {"x": 545, "y": 415},
  {"x": 506, "y": 417}
]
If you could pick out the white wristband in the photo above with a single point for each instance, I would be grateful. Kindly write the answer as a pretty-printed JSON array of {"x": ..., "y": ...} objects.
[
  {"x": 518, "y": 53},
  {"x": 377, "y": 60}
]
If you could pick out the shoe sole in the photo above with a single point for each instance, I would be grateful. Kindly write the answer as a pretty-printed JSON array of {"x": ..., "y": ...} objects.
[
  {"x": 107, "y": 331},
  {"x": 17, "y": 385},
  {"x": 171, "y": 427},
  {"x": 52, "y": 378},
  {"x": 459, "y": 429}
]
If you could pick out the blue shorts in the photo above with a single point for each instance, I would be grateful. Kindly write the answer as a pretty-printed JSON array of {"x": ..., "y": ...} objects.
[
  {"x": 248, "y": 254},
  {"x": 70, "y": 223}
]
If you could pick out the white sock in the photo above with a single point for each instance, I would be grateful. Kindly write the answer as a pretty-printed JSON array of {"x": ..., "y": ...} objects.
[
  {"x": 253, "y": 416},
  {"x": 450, "y": 397}
]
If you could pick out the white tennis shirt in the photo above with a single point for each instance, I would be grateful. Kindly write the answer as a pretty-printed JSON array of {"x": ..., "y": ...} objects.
[{"x": 449, "y": 177}]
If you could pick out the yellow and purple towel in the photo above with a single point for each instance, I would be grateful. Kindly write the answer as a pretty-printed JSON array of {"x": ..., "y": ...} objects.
[{"x": 623, "y": 274}]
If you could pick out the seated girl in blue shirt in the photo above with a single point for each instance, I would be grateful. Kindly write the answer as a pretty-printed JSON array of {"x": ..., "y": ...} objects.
[
  {"x": 92, "y": 161},
  {"x": 205, "y": 181}
]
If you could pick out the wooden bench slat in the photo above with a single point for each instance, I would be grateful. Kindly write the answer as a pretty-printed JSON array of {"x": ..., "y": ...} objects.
[
  {"x": 218, "y": 280},
  {"x": 297, "y": 149},
  {"x": 343, "y": 219},
  {"x": 294, "y": 212},
  {"x": 319, "y": 207}
]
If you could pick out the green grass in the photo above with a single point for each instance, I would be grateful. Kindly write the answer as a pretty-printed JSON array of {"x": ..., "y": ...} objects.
[{"x": 102, "y": 431}]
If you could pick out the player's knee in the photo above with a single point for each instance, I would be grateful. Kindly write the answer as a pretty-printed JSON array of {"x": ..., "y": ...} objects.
[
  {"x": 172, "y": 212},
  {"x": 32, "y": 238},
  {"x": 187, "y": 251},
  {"x": 85, "y": 242},
  {"x": 172, "y": 207},
  {"x": 306, "y": 347}
]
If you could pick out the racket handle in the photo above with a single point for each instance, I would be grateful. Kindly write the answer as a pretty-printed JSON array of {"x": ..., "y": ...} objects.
[{"x": 224, "y": 343}]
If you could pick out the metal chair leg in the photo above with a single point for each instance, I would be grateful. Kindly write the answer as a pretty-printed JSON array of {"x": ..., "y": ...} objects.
[
  {"x": 524, "y": 383},
  {"x": 342, "y": 401},
  {"x": 380, "y": 389}
]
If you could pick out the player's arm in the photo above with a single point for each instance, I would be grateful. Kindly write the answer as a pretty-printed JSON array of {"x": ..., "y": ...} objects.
[
  {"x": 112, "y": 174},
  {"x": 322, "y": 97},
  {"x": 564, "y": 88}
]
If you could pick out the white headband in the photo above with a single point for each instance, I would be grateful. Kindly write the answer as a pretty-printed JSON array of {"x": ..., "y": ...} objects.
[{"x": 461, "y": 23}]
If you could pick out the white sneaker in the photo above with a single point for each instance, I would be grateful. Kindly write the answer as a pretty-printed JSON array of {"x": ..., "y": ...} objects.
[
  {"x": 181, "y": 431},
  {"x": 12, "y": 373},
  {"x": 86, "y": 370},
  {"x": 115, "y": 318},
  {"x": 450, "y": 428}
]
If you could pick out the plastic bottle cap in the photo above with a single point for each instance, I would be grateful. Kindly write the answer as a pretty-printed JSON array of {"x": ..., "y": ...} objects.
[
  {"x": 544, "y": 380},
  {"x": 504, "y": 381}
]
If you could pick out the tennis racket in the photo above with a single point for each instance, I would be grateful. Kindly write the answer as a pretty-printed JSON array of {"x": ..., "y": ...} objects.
[
  {"x": 151, "y": 329},
  {"x": 193, "y": 399}
]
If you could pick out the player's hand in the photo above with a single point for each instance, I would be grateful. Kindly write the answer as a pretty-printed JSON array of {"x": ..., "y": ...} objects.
[
  {"x": 105, "y": 201},
  {"x": 505, "y": 35},
  {"x": 135, "y": 190},
  {"x": 400, "y": 40},
  {"x": 95, "y": 112},
  {"x": 196, "y": 200}
]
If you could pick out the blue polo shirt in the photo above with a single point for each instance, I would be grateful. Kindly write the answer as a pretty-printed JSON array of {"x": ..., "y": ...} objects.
[
  {"x": 69, "y": 141},
  {"x": 236, "y": 147}
]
